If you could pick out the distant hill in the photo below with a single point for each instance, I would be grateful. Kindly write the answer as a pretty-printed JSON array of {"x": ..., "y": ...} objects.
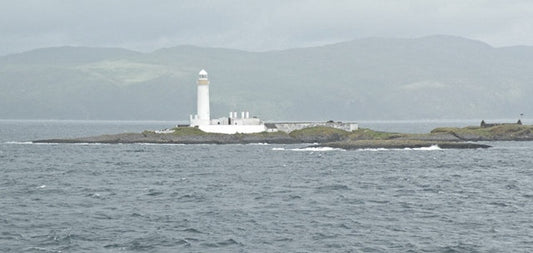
[{"x": 432, "y": 77}]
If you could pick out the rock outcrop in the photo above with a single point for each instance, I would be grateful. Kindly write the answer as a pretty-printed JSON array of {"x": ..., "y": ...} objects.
[{"x": 501, "y": 132}]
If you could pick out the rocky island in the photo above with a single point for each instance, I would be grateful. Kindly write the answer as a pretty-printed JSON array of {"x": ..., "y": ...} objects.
[
  {"x": 325, "y": 137},
  {"x": 245, "y": 129}
]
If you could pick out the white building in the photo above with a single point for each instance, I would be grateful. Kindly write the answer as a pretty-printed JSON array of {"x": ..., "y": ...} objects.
[{"x": 227, "y": 125}]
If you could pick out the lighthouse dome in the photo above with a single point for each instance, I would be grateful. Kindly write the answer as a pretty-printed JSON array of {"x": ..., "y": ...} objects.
[{"x": 202, "y": 73}]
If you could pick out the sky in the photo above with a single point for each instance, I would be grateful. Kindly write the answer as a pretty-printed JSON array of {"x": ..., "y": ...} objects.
[{"x": 252, "y": 25}]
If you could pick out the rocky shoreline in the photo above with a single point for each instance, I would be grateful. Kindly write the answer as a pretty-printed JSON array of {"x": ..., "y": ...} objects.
[
  {"x": 460, "y": 138},
  {"x": 169, "y": 138},
  {"x": 400, "y": 144}
]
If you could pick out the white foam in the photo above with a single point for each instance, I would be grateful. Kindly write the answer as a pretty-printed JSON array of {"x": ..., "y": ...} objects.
[
  {"x": 374, "y": 149},
  {"x": 18, "y": 142},
  {"x": 430, "y": 148},
  {"x": 27, "y": 143},
  {"x": 319, "y": 149},
  {"x": 312, "y": 149},
  {"x": 88, "y": 144},
  {"x": 159, "y": 144}
]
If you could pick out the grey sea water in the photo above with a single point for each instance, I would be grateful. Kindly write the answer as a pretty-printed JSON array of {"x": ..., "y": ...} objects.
[{"x": 257, "y": 198}]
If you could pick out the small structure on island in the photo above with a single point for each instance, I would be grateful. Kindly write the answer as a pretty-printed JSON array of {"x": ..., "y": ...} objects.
[
  {"x": 244, "y": 123},
  {"x": 485, "y": 125},
  {"x": 227, "y": 125}
]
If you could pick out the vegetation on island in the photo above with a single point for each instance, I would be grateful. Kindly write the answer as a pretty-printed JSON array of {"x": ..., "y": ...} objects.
[
  {"x": 319, "y": 134},
  {"x": 266, "y": 134},
  {"x": 444, "y": 137},
  {"x": 368, "y": 134},
  {"x": 497, "y": 132},
  {"x": 182, "y": 131},
  {"x": 333, "y": 137}
]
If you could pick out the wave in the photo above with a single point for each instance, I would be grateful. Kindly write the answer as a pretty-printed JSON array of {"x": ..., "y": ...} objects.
[
  {"x": 317, "y": 149},
  {"x": 225, "y": 243},
  {"x": 88, "y": 144},
  {"x": 376, "y": 149},
  {"x": 51, "y": 143},
  {"x": 159, "y": 144},
  {"x": 333, "y": 187},
  {"x": 18, "y": 142},
  {"x": 430, "y": 148},
  {"x": 27, "y": 143}
]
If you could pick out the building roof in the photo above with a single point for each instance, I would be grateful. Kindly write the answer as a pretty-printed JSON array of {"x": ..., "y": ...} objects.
[{"x": 202, "y": 72}]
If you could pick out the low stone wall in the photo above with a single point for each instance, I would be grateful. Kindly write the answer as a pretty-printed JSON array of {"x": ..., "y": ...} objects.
[{"x": 288, "y": 127}]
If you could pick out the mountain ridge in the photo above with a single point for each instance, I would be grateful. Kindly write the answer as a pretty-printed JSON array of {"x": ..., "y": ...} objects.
[{"x": 365, "y": 79}]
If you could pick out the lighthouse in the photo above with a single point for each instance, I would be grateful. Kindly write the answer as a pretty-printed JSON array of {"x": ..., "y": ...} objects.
[
  {"x": 244, "y": 124},
  {"x": 225, "y": 125},
  {"x": 202, "y": 101},
  {"x": 203, "y": 98}
]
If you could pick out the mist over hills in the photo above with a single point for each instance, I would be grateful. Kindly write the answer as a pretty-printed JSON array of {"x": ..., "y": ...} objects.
[{"x": 436, "y": 77}]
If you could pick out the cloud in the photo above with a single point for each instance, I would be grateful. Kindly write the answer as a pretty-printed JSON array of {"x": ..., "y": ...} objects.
[{"x": 254, "y": 25}]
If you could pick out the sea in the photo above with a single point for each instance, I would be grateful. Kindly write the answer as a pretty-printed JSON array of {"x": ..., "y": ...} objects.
[{"x": 258, "y": 197}]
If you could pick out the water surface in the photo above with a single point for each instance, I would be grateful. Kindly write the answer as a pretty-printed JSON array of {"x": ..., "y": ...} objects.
[{"x": 256, "y": 198}]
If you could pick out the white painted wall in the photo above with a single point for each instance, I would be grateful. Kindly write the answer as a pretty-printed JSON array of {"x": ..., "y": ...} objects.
[
  {"x": 203, "y": 104},
  {"x": 233, "y": 129}
]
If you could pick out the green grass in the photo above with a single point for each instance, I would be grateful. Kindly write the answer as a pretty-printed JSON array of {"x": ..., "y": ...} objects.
[
  {"x": 511, "y": 129},
  {"x": 484, "y": 132},
  {"x": 188, "y": 131},
  {"x": 500, "y": 130},
  {"x": 267, "y": 134},
  {"x": 318, "y": 131},
  {"x": 368, "y": 134},
  {"x": 324, "y": 133}
]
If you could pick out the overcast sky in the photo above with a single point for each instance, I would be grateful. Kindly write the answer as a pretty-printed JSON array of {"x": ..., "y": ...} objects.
[{"x": 145, "y": 25}]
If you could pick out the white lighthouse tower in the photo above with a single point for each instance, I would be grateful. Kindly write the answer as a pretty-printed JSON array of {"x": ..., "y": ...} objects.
[
  {"x": 202, "y": 117},
  {"x": 226, "y": 125},
  {"x": 244, "y": 124}
]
